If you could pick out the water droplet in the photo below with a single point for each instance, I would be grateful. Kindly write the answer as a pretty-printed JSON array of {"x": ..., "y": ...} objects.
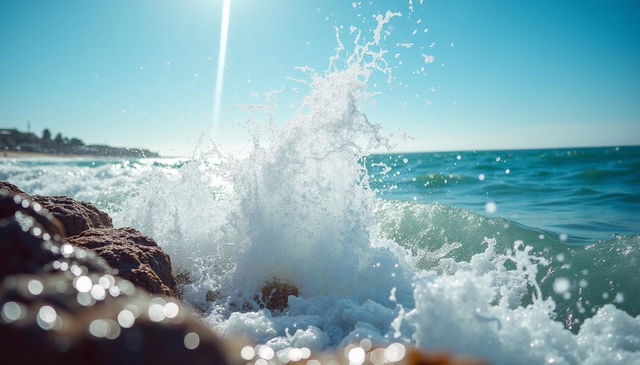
[
  {"x": 561, "y": 285},
  {"x": 191, "y": 340},
  {"x": 46, "y": 317},
  {"x": 247, "y": 353},
  {"x": 126, "y": 319},
  {"x": 171, "y": 310},
  {"x": 266, "y": 352},
  {"x": 294, "y": 354},
  {"x": 98, "y": 328},
  {"x": 106, "y": 281},
  {"x": 83, "y": 284},
  {"x": 366, "y": 344},
  {"x": 356, "y": 356},
  {"x": 305, "y": 352},
  {"x": 35, "y": 287},
  {"x": 491, "y": 207},
  {"x": 12, "y": 311},
  {"x": 481, "y": 177},
  {"x": 395, "y": 352},
  {"x": 114, "y": 291},
  {"x": 156, "y": 312},
  {"x": 67, "y": 250},
  {"x": 98, "y": 292},
  {"x": 583, "y": 283}
]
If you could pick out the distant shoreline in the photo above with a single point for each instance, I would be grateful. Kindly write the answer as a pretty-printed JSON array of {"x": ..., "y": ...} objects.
[{"x": 26, "y": 155}]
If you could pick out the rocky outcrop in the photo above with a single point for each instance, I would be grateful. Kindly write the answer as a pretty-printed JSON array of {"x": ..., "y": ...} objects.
[
  {"x": 31, "y": 241},
  {"x": 136, "y": 257},
  {"x": 275, "y": 294},
  {"x": 10, "y": 188},
  {"x": 75, "y": 216},
  {"x": 62, "y": 323},
  {"x": 62, "y": 304}
]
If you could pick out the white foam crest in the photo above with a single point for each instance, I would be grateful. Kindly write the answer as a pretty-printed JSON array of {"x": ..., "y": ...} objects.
[
  {"x": 298, "y": 208},
  {"x": 106, "y": 183},
  {"x": 475, "y": 309},
  {"x": 302, "y": 196}
]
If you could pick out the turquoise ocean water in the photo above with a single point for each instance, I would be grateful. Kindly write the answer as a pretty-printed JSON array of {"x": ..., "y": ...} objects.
[{"x": 587, "y": 194}]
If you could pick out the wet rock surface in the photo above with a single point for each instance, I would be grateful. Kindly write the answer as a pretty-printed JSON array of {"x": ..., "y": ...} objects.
[
  {"x": 136, "y": 257},
  {"x": 63, "y": 304},
  {"x": 75, "y": 216},
  {"x": 31, "y": 241},
  {"x": 275, "y": 294},
  {"x": 10, "y": 188},
  {"x": 102, "y": 319}
]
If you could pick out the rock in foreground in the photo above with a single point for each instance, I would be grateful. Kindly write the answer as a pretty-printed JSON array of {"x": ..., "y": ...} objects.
[
  {"x": 60, "y": 304},
  {"x": 75, "y": 216},
  {"x": 10, "y": 188},
  {"x": 112, "y": 323},
  {"x": 136, "y": 257},
  {"x": 31, "y": 241}
]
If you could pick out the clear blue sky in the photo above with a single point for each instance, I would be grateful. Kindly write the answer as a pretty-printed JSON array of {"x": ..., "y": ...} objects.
[{"x": 507, "y": 73}]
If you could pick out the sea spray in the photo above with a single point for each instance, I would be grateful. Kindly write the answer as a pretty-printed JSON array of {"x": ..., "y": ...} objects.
[{"x": 299, "y": 208}]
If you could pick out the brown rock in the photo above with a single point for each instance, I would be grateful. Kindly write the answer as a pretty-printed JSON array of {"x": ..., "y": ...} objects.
[
  {"x": 76, "y": 216},
  {"x": 9, "y": 187},
  {"x": 418, "y": 357},
  {"x": 136, "y": 257},
  {"x": 31, "y": 241},
  {"x": 275, "y": 294},
  {"x": 61, "y": 304},
  {"x": 117, "y": 326}
]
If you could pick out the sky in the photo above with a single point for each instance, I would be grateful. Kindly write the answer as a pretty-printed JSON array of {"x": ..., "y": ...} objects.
[{"x": 505, "y": 74}]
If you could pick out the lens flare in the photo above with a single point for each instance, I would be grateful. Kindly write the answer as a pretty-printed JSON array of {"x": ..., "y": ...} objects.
[{"x": 222, "y": 54}]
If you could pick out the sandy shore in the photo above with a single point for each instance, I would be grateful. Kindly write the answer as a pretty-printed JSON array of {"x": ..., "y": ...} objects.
[{"x": 20, "y": 155}]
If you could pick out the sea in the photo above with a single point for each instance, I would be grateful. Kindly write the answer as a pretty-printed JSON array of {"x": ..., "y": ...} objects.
[
  {"x": 519, "y": 256},
  {"x": 516, "y": 257}
]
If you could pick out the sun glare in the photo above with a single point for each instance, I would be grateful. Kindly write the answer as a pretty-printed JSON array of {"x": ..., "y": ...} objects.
[{"x": 222, "y": 53}]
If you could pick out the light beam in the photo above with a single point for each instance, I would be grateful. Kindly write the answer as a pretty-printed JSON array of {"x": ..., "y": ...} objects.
[{"x": 222, "y": 54}]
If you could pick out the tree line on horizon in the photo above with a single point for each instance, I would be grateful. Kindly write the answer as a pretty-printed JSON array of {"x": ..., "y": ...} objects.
[{"x": 15, "y": 140}]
